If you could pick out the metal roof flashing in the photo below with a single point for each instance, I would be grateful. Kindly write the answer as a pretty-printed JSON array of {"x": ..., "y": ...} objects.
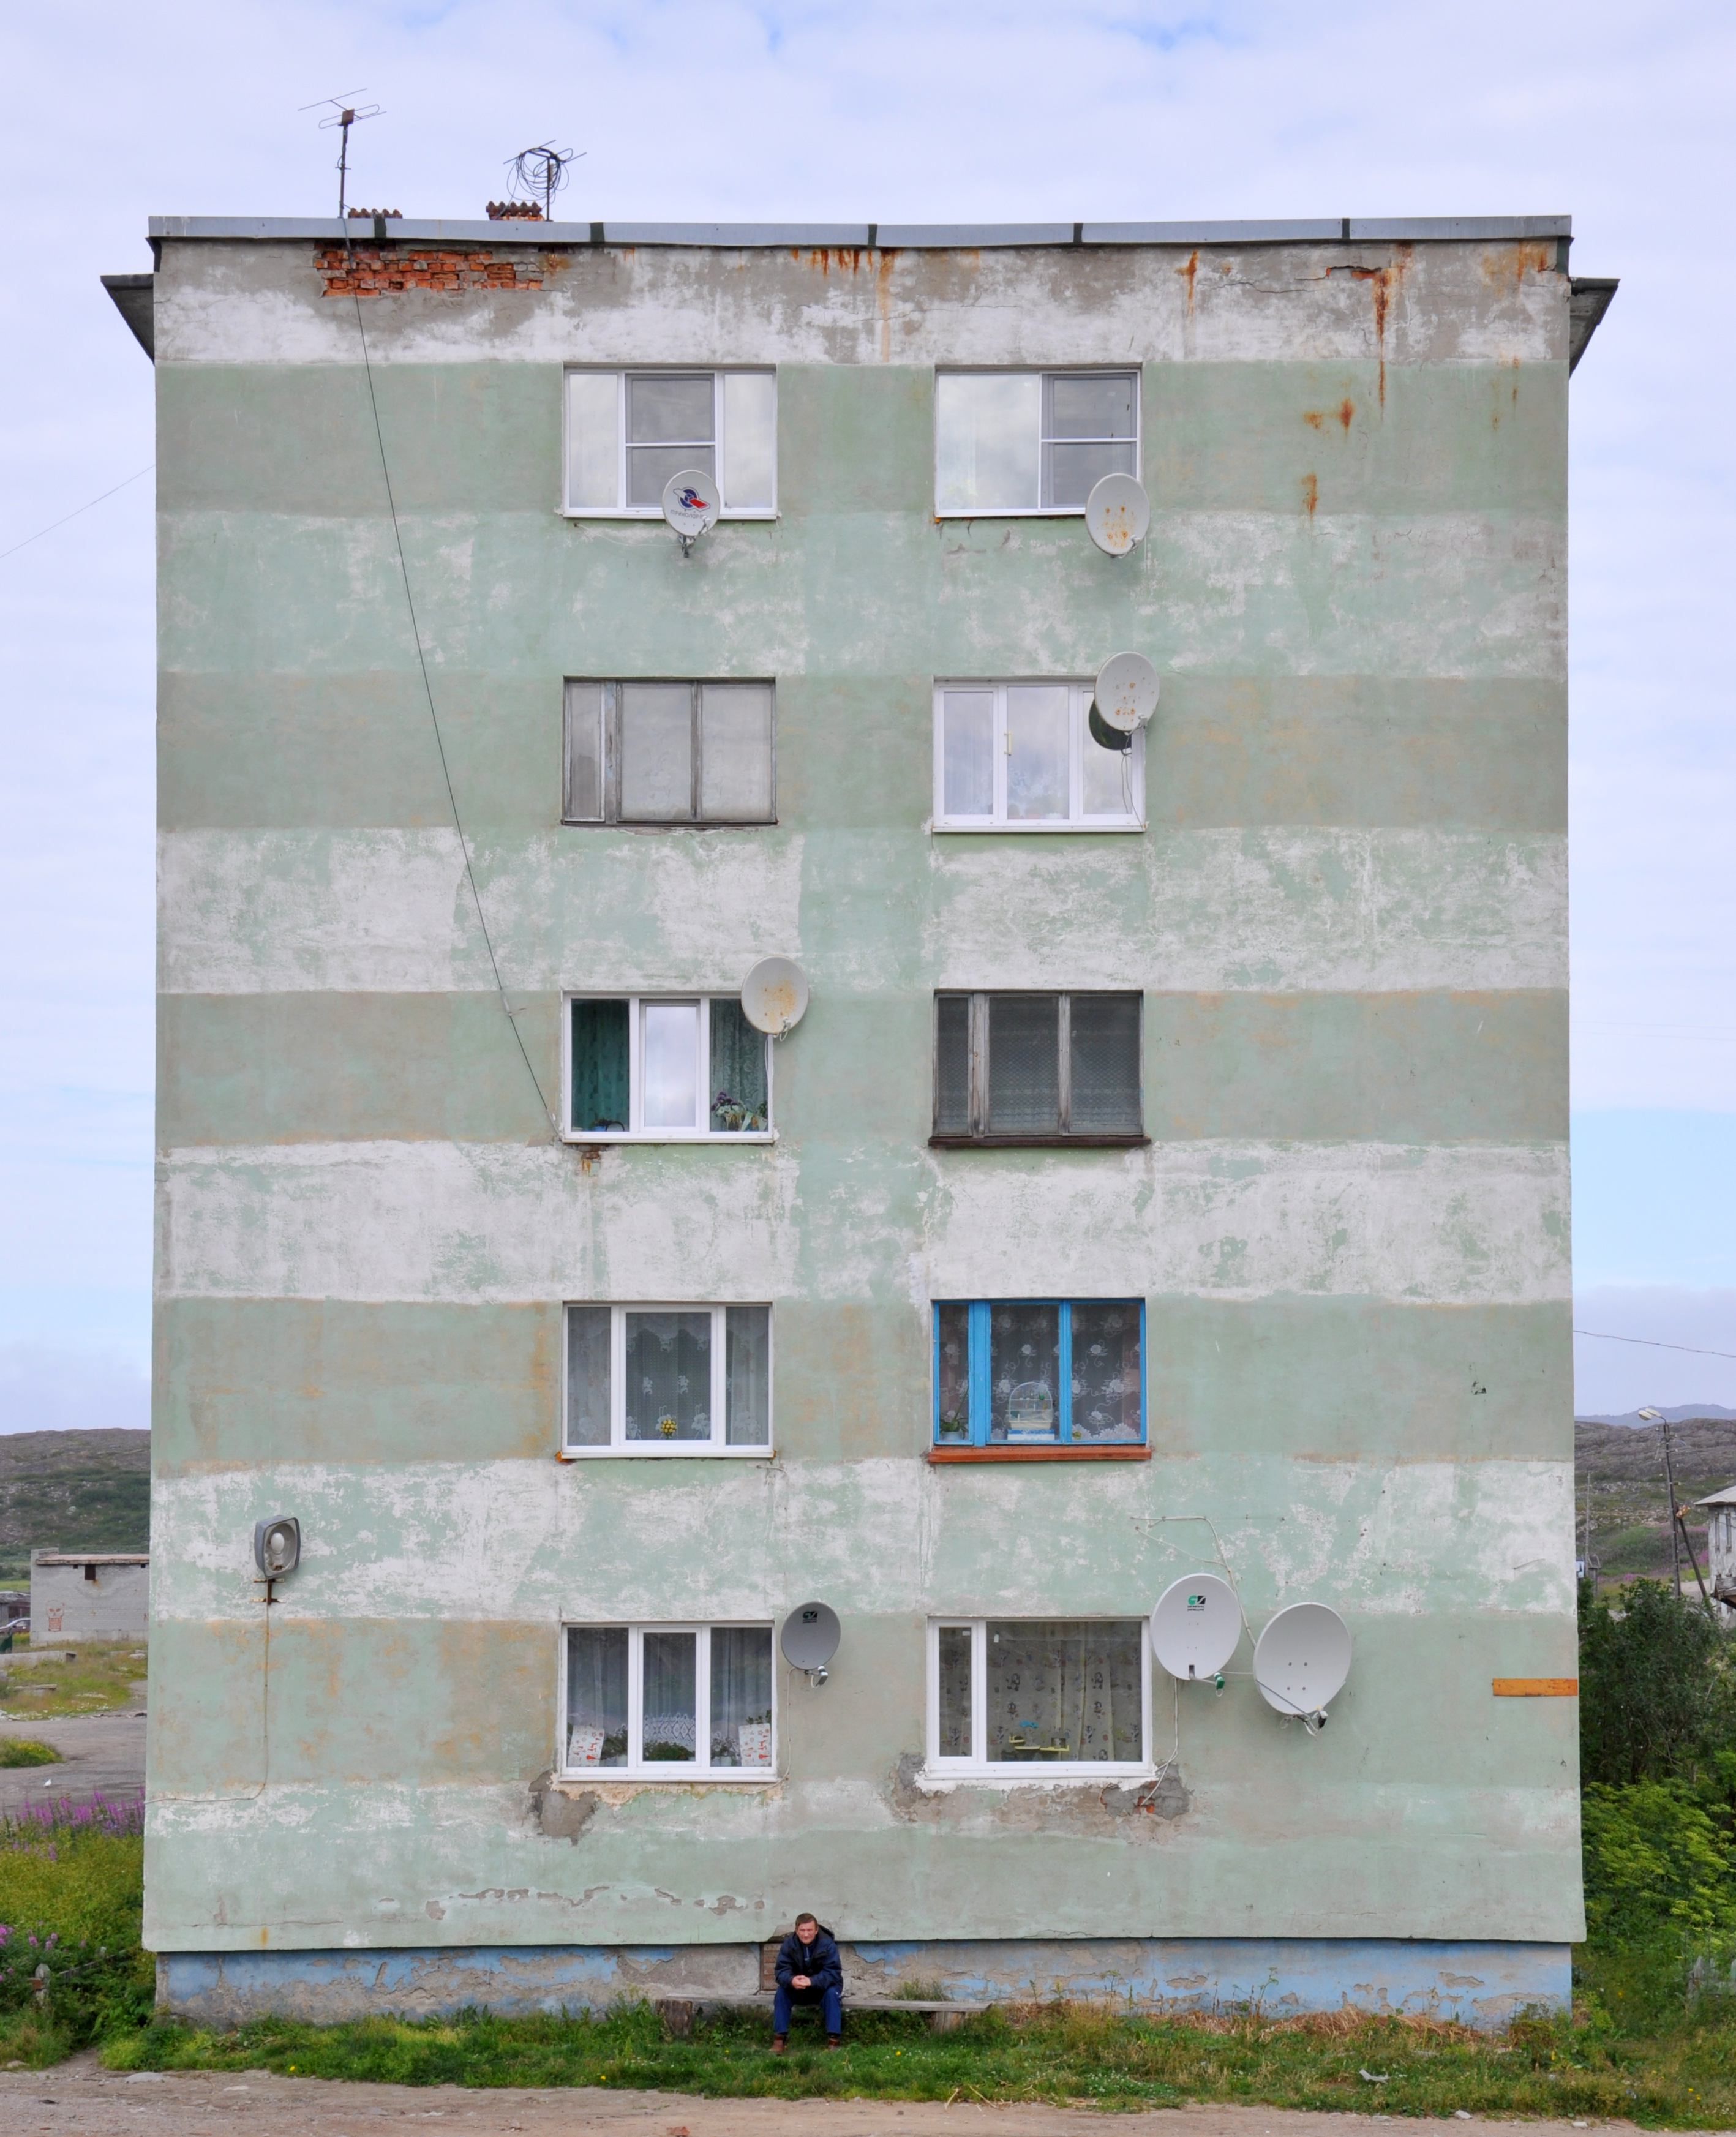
[{"x": 915, "y": 236}]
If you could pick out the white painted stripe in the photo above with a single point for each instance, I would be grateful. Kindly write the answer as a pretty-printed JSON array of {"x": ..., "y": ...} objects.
[
  {"x": 530, "y": 1540},
  {"x": 475, "y": 1223},
  {"x": 1309, "y": 909},
  {"x": 1473, "y": 302}
]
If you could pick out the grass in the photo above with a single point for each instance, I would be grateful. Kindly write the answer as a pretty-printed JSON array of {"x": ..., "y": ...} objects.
[
  {"x": 1084, "y": 2055},
  {"x": 107, "y": 1677},
  {"x": 71, "y": 1891},
  {"x": 26, "y": 1751}
]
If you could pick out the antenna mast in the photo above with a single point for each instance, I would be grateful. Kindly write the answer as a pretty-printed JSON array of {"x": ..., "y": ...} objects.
[
  {"x": 540, "y": 170},
  {"x": 344, "y": 114}
]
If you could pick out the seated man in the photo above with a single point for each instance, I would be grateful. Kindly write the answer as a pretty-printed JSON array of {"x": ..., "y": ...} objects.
[{"x": 809, "y": 1971}]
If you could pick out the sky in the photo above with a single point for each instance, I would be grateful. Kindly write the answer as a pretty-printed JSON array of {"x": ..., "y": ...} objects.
[{"x": 1035, "y": 109}]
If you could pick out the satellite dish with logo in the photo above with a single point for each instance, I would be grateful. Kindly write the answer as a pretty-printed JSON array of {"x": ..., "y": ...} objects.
[
  {"x": 809, "y": 1639},
  {"x": 1117, "y": 513},
  {"x": 1196, "y": 1626},
  {"x": 774, "y": 995},
  {"x": 1301, "y": 1659},
  {"x": 691, "y": 501},
  {"x": 1126, "y": 692}
]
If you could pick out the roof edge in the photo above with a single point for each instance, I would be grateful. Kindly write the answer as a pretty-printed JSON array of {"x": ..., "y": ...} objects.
[{"x": 914, "y": 236}]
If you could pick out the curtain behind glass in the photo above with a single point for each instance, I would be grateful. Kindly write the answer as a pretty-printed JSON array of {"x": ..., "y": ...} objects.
[
  {"x": 657, "y": 753},
  {"x": 596, "y": 1696},
  {"x": 1105, "y": 1064},
  {"x": 669, "y": 1376},
  {"x": 955, "y": 1688},
  {"x": 1024, "y": 1370},
  {"x": 1106, "y": 1374},
  {"x": 1065, "y": 1691},
  {"x": 742, "y": 1696},
  {"x": 599, "y": 1061},
  {"x": 671, "y": 1680},
  {"x": 987, "y": 432},
  {"x": 735, "y": 753},
  {"x": 747, "y": 1375},
  {"x": 738, "y": 1098},
  {"x": 587, "y": 1376},
  {"x": 952, "y": 1064},
  {"x": 952, "y": 1394},
  {"x": 1025, "y": 1065}
]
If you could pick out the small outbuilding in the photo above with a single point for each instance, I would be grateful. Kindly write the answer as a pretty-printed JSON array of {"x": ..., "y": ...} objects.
[
  {"x": 90, "y": 1594},
  {"x": 1721, "y": 1543}
]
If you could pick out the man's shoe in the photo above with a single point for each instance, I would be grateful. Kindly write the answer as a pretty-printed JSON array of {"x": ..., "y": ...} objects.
[
  {"x": 832, "y": 2040},
  {"x": 777, "y": 2044}
]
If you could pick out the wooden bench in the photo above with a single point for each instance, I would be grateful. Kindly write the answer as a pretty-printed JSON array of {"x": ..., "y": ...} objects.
[{"x": 678, "y": 2006}]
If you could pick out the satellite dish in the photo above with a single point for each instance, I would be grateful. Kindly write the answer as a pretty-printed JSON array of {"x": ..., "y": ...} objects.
[
  {"x": 1302, "y": 1658},
  {"x": 1117, "y": 513},
  {"x": 774, "y": 997},
  {"x": 809, "y": 1639},
  {"x": 1196, "y": 1626},
  {"x": 1126, "y": 692},
  {"x": 691, "y": 500}
]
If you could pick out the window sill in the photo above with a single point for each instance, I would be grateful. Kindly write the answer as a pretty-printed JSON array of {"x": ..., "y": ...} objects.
[
  {"x": 1117, "y": 827},
  {"x": 1011, "y": 512},
  {"x": 1121, "y": 1450},
  {"x": 1039, "y": 1142},
  {"x": 640, "y": 1777},
  {"x": 668, "y": 824},
  {"x": 940, "y": 1780},
  {"x": 651, "y": 515},
  {"x": 695, "y": 1450},
  {"x": 601, "y": 1136}
]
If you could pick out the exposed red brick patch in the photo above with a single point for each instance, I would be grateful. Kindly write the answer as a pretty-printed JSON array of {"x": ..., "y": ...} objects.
[{"x": 382, "y": 270}]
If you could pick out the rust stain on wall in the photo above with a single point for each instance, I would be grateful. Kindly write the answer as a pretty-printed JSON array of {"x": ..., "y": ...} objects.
[
  {"x": 1311, "y": 492},
  {"x": 1187, "y": 270}
]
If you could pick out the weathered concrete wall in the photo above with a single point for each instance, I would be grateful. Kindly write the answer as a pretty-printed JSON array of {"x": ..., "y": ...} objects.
[
  {"x": 1348, "y": 916},
  {"x": 1478, "y": 1984},
  {"x": 115, "y": 1605}
]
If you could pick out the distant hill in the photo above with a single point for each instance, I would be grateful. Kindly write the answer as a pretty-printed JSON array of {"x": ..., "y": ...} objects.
[
  {"x": 1702, "y": 1448},
  {"x": 1677, "y": 1416},
  {"x": 72, "y": 1491}
]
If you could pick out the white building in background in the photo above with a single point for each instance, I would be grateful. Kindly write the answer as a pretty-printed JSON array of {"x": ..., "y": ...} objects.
[{"x": 90, "y": 1595}]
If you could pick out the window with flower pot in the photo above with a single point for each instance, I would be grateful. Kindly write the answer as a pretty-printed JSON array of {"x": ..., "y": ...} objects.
[
  {"x": 1038, "y": 1698},
  {"x": 665, "y": 1380},
  {"x": 659, "y": 1068},
  {"x": 669, "y": 1702},
  {"x": 1037, "y": 1372}
]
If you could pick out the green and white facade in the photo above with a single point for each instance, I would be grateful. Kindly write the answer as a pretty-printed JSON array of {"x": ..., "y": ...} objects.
[{"x": 1338, "y": 1216}]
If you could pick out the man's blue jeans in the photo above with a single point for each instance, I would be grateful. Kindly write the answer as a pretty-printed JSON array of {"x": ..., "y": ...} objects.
[{"x": 830, "y": 1999}]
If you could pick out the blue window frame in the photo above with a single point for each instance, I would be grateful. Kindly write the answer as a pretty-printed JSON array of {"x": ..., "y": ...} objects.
[{"x": 1011, "y": 1372}]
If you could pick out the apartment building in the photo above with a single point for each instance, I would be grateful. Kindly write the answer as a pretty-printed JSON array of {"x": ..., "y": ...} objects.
[{"x": 1168, "y": 1178}]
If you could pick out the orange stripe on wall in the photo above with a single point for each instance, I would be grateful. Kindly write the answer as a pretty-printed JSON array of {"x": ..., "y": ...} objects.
[{"x": 1536, "y": 1687}]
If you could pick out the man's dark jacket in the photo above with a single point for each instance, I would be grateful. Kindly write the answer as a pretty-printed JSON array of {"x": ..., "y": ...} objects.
[{"x": 818, "y": 1960}]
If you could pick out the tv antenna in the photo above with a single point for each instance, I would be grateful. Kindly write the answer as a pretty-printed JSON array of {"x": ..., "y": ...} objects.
[
  {"x": 345, "y": 114},
  {"x": 540, "y": 173}
]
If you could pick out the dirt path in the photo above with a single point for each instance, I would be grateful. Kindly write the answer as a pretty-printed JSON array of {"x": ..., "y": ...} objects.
[
  {"x": 102, "y": 1752},
  {"x": 79, "y": 2096}
]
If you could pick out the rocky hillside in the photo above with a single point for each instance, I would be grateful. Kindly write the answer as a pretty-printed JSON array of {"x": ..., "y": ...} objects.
[
  {"x": 72, "y": 1491},
  {"x": 1624, "y": 1466}
]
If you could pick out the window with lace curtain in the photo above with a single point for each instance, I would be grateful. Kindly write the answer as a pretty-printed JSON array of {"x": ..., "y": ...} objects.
[
  {"x": 1032, "y": 757},
  {"x": 668, "y": 1379},
  {"x": 1025, "y": 1068},
  {"x": 1036, "y": 1372},
  {"x": 1041, "y": 1698},
  {"x": 659, "y": 1068},
  {"x": 669, "y": 1702}
]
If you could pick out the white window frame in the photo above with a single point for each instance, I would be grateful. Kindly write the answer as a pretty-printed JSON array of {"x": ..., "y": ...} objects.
[
  {"x": 621, "y": 373},
  {"x": 678, "y": 1449},
  {"x": 636, "y": 1130},
  {"x": 661, "y": 1769},
  {"x": 976, "y": 1767},
  {"x": 1133, "y": 370},
  {"x": 1081, "y": 694}
]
